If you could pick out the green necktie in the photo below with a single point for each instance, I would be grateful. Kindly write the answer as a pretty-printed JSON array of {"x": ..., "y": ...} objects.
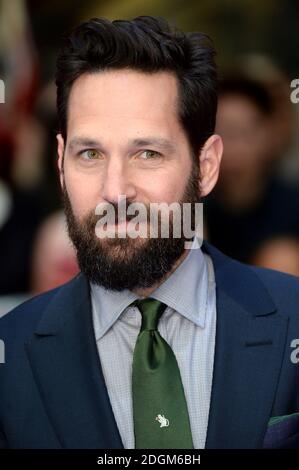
[{"x": 161, "y": 419}]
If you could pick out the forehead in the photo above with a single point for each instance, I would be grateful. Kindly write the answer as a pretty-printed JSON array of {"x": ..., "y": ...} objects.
[{"x": 124, "y": 96}]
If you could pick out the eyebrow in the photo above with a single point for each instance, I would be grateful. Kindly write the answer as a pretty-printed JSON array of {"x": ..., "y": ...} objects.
[
  {"x": 83, "y": 142},
  {"x": 160, "y": 142},
  {"x": 155, "y": 141}
]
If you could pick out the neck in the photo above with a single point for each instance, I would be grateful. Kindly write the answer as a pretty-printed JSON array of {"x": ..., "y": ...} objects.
[{"x": 146, "y": 292}]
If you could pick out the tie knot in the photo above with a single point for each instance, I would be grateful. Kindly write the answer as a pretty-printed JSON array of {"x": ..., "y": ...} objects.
[{"x": 151, "y": 311}]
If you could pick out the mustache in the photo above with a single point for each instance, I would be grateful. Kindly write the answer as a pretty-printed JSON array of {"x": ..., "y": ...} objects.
[
  {"x": 121, "y": 212},
  {"x": 140, "y": 213}
]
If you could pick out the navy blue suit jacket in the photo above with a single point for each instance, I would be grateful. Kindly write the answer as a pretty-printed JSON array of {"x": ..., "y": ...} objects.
[{"x": 52, "y": 390}]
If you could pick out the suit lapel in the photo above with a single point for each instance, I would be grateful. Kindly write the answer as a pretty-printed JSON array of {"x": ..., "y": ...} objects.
[
  {"x": 250, "y": 341},
  {"x": 67, "y": 370}
]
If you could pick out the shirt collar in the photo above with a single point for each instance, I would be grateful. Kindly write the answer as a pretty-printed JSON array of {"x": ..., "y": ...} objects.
[{"x": 185, "y": 290}]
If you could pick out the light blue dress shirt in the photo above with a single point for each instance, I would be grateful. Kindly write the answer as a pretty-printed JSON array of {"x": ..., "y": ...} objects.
[{"x": 188, "y": 325}]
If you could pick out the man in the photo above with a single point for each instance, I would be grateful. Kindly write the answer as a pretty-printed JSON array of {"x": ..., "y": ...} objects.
[
  {"x": 260, "y": 211},
  {"x": 153, "y": 345}
]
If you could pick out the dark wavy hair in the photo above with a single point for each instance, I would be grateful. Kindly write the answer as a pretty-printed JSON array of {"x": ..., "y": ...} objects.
[
  {"x": 238, "y": 83},
  {"x": 147, "y": 44}
]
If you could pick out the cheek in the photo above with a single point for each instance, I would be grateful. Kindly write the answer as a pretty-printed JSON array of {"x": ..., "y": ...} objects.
[
  {"x": 168, "y": 188},
  {"x": 83, "y": 192}
]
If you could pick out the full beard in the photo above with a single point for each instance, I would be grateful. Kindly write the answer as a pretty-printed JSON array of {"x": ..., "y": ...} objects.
[{"x": 127, "y": 263}]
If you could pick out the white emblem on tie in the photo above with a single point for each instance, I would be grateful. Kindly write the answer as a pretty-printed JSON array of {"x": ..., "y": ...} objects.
[{"x": 164, "y": 422}]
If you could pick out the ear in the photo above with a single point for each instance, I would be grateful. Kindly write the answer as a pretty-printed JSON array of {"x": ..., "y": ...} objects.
[
  {"x": 60, "y": 152},
  {"x": 210, "y": 159}
]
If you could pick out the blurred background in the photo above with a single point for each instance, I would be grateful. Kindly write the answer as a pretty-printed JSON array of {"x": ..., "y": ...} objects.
[{"x": 253, "y": 214}]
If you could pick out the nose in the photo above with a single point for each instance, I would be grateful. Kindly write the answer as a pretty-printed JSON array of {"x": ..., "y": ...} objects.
[{"x": 117, "y": 181}]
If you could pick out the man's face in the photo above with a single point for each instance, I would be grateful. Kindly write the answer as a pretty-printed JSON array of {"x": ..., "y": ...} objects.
[
  {"x": 124, "y": 138},
  {"x": 245, "y": 131}
]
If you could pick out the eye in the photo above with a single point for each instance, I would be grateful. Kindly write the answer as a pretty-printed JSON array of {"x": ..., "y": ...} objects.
[
  {"x": 90, "y": 154},
  {"x": 149, "y": 154}
]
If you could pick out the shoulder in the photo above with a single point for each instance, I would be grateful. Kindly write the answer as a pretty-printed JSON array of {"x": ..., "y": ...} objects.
[
  {"x": 257, "y": 289},
  {"x": 21, "y": 322},
  {"x": 230, "y": 270},
  {"x": 283, "y": 288}
]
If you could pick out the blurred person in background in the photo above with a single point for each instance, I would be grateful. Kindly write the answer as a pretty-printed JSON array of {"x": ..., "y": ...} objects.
[
  {"x": 53, "y": 258},
  {"x": 20, "y": 149},
  {"x": 281, "y": 254},
  {"x": 21, "y": 212},
  {"x": 51, "y": 262},
  {"x": 251, "y": 205},
  {"x": 263, "y": 70},
  {"x": 27, "y": 130}
]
